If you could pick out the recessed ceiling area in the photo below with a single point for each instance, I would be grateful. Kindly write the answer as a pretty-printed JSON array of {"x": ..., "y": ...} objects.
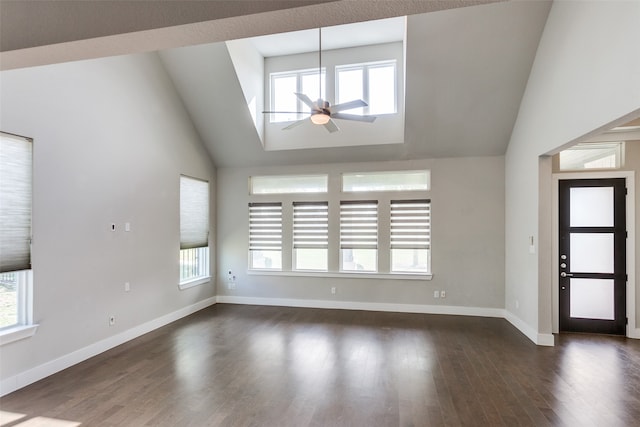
[
  {"x": 629, "y": 131},
  {"x": 463, "y": 89},
  {"x": 336, "y": 37}
]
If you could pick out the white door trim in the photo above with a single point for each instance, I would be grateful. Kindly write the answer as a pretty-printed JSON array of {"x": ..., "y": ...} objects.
[{"x": 629, "y": 176}]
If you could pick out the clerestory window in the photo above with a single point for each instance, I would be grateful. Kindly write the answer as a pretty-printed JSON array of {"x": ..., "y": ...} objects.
[{"x": 285, "y": 85}]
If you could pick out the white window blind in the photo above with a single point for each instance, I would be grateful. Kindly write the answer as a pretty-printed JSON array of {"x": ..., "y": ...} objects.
[
  {"x": 15, "y": 202},
  {"x": 265, "y": 226},
  {"x": 310, "y": 225},
  {"x": 359, "y": 224},
  {"x": 411, "y": 224},
  {"x": 194, "y": 213}
]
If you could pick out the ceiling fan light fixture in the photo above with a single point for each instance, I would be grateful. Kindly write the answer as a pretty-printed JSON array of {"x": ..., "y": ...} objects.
[{"x": 320, "y": 119}]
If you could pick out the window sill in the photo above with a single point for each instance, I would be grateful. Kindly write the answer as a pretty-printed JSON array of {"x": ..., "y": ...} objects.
[
  {"x": 342, "y": 275},
  {"x": 194, "y": 282},
  {"x": 16, "y": 333}
]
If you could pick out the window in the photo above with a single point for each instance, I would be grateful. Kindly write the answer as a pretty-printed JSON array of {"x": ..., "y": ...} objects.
[
  {"x": 386, "y": 181},
  {"x": 602, "y": 155},
  {"x": 359, "y": 235},
  {"x": 285, "y": 85},
  {"x": 194, "y": 231},
  {"x": 265, "y": 236},
  {"x": 15, "y": 229},
  {"x": 375, "y": 223},
  {"x": 410, "y": 236},
  {"x": 310, "y": 235},
  {"x": 373, "y": 82},
  {"x": 288, "y": 184}
]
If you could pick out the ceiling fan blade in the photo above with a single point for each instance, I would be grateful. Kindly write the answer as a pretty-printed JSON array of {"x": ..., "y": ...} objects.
[
  {"x": 355, "y": 117},
  {"x": 304, "y": 98},
  {"x": 286, "y": 112},
  {"x": 331, "y": 126},
  {"x": 294, "y": 124},
  {"x": 349, "y": 105}
]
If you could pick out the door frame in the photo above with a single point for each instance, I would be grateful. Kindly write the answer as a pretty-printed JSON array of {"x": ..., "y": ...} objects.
[{"x": 629, "y": 177}]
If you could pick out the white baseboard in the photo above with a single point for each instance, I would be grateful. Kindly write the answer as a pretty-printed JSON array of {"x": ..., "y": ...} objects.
[
  {"x": 32, "y": 375},
  {"x": 634, "y": 333},
  {"x": 528, "y": 331},
  {"x": 368, "y": 306}
]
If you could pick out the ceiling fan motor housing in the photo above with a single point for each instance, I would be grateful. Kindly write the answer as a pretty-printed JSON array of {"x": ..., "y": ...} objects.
[{"x": 323, "y": 105}]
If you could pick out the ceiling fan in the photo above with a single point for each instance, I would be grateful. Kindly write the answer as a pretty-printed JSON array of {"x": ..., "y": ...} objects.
[{"x": 321, "y": 111}]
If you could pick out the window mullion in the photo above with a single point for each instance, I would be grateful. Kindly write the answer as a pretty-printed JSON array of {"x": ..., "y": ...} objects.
[
  {"x": 299, "y": 90},
  {"x": 265, "y": 235},
  {"x": 365, "y": 89},
  {"x": 287, "y": 237},
  {"x": 384, "y": 238},
  {"x": 334, "y": 236}
]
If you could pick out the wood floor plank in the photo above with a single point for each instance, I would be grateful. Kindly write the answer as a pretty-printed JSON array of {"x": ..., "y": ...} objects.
[{"x": 233, "y": 365}]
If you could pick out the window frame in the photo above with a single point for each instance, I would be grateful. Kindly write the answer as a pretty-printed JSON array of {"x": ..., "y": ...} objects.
[
  {"x": 361, "y": 241},
  {"x": 334, "y": 196},
  {"x": 202, "y": 256},
  {"x": 298, "y": 74},
  {"x": 325, "y": 228},
  {"x": 254, "y": 178},
  {"x": 267, "y": 248},
  {"x": 201, "y": 253},
  {"x": 366, "y": 95},
  {"x": 388, "y": 174},
  {"x": 23, "y": 326},
  {"x": 420, "y": 240},
  {"x": 609, "y": 148},
  {"x": 24, "y": 289}
]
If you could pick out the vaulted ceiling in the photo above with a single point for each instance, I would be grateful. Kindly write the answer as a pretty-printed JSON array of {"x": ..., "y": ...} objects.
[{"x": 466, "y": 71}]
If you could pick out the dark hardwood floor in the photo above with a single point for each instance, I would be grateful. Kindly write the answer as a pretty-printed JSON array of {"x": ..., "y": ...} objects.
[{"x": 233, "y": 365}]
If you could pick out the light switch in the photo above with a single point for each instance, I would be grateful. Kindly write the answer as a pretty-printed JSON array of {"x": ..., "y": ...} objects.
[{"x": 127, "y": 226}]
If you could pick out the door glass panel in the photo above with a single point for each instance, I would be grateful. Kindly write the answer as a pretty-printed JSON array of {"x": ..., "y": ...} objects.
[
  {"x": 591, "y": 207},
  {"x": 591, "y": 252},
  {"x": 592, "y": 299}
]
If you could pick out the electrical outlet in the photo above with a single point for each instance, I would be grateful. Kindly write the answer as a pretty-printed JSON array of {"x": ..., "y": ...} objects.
[
  {"x": 127, "y": 287},
  {"x": 333, "y": 290},
  {"x": 112, "y": 320},
  {"x": 436, "y": 294},
  {"x": 443, "y": 294}
]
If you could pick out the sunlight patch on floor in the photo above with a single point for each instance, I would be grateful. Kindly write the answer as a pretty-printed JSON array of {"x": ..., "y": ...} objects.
[{"x": 9, "y": 418}]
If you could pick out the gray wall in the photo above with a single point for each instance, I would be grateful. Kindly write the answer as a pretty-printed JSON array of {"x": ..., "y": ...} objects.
[
  {"x": 468, "y": 238},
  {"x": 586, "y": 75},
  {"x": 111, "y": 139}
]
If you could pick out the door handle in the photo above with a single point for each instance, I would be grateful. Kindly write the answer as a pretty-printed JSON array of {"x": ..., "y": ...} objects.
[{"x": 563, "y": 274}]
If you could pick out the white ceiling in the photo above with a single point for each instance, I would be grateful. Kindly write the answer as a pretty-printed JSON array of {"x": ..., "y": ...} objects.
[
  {"x": 46, "y": 32},
  {"x": 467, "y": 65},
  {"x": 336, "y": 37}
]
